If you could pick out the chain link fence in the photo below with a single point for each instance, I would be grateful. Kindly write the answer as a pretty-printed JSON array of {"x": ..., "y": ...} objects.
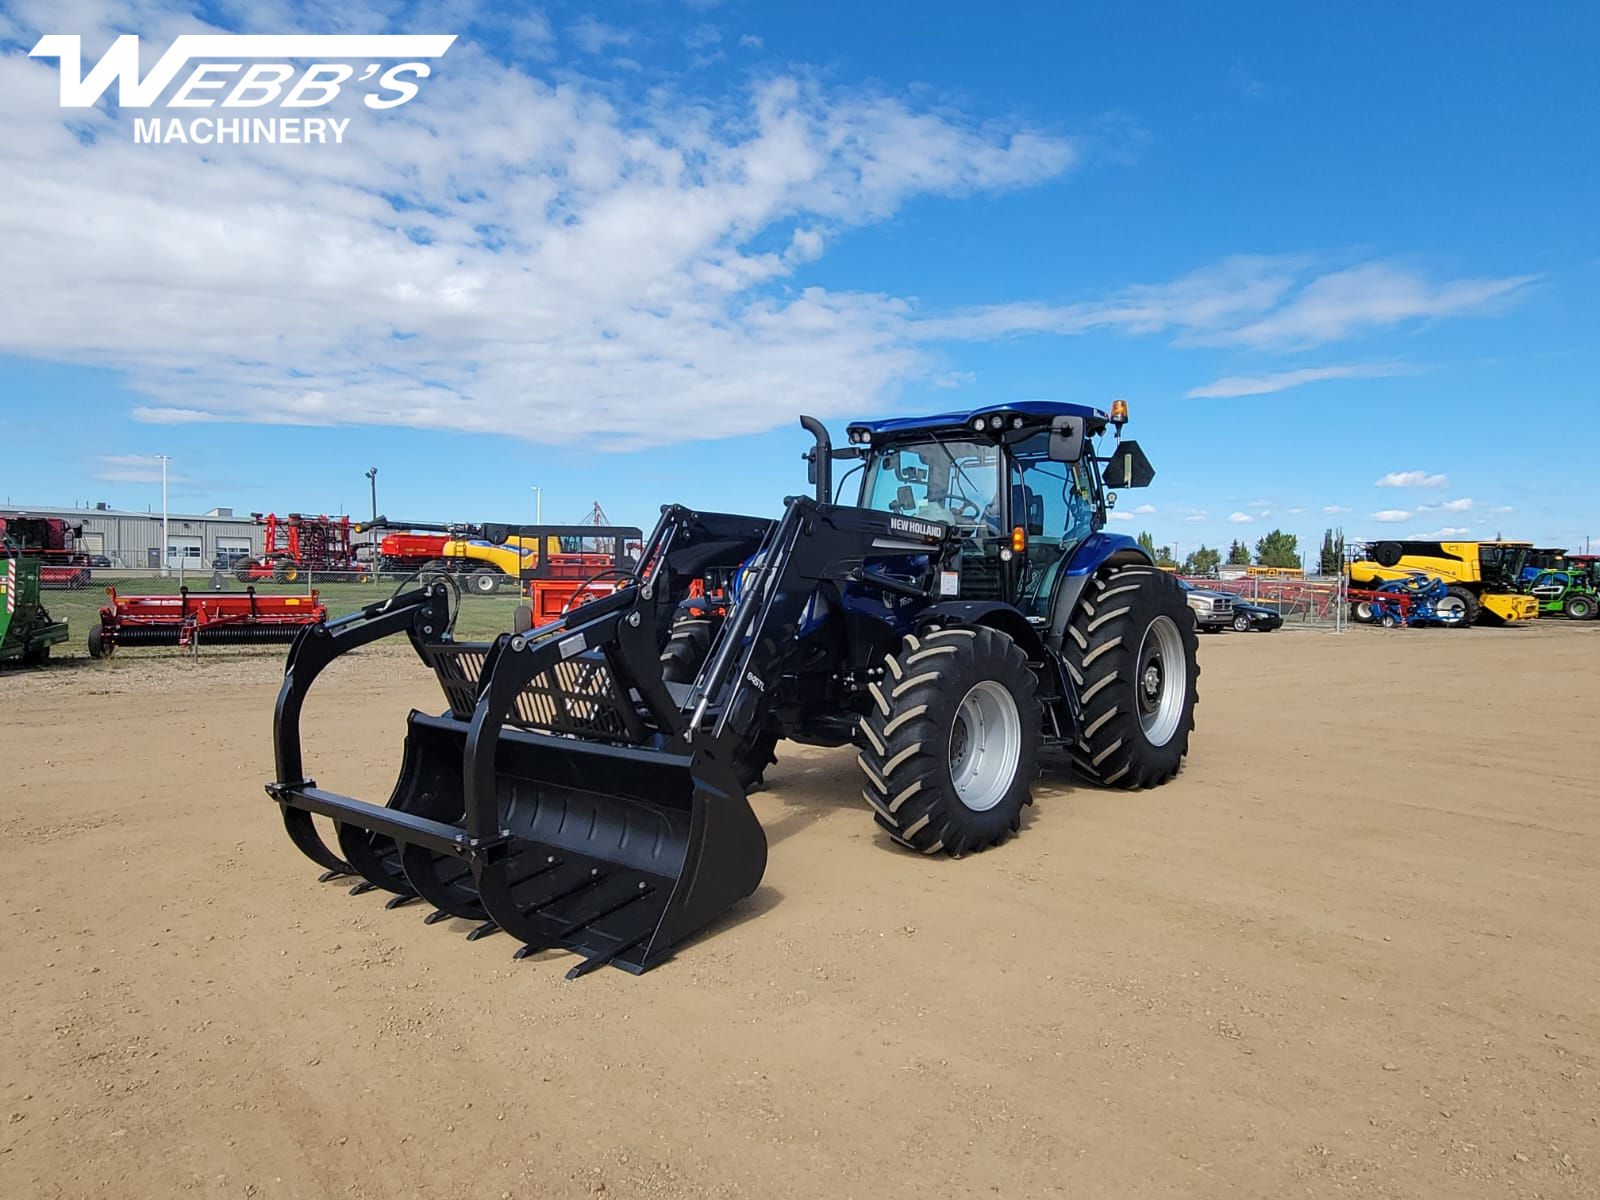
[
  {"x": 1303, "y": 603},
  {"x": 78, "y": 596}
]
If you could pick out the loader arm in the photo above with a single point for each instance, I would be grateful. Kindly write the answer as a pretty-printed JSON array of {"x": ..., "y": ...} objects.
[{"x": 812, "y": 546}]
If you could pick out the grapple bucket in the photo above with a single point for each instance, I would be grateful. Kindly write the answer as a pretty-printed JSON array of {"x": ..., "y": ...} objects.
[
  {"x": 562, "y": 798},
  {"x": 613, "y": 852}
]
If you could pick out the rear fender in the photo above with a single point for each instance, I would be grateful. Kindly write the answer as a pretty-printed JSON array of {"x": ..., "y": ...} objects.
[{"x": 1098, "y": 551}]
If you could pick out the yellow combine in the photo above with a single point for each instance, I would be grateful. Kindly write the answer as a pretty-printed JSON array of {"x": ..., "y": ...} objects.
[{"x": 1483, "y": 574}]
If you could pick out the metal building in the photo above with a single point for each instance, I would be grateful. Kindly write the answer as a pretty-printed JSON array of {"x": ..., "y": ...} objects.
[{"x": 133, "y": 539}]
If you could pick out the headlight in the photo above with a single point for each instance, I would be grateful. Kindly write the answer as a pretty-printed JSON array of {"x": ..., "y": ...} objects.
[
  {"x": 996, "y": 422},
  {"x": 978, "y": 424}
]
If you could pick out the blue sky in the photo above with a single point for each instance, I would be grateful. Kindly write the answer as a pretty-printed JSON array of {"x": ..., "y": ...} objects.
[{"x": 614, "y": 252}]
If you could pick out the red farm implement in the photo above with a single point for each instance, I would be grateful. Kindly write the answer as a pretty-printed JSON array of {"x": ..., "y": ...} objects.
[
  {"x": 214, "y": 618},
  {"x": 297, "y": 546},
  {"x": 54, "y": 543}
]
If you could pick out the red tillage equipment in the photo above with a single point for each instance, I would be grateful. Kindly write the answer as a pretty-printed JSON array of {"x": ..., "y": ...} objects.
[{"x": 188, "y": 619}]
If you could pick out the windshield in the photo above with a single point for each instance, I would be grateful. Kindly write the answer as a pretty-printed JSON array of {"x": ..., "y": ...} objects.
[
  {"x": 951, "y": 481},
  {"x": 1500, "y": 561}
]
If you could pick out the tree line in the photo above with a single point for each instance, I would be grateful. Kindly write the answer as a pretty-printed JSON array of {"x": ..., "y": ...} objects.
[{"x": 1275, "y": 549}]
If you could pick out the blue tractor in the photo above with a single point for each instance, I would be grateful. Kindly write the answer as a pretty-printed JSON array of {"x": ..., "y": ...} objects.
[{"x": 965, "y": 610}]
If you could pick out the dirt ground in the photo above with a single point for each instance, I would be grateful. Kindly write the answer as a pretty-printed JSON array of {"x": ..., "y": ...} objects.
[{"x": 1352, "y": 950}]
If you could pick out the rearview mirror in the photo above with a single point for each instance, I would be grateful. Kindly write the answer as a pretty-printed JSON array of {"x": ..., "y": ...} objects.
[
  {"x": 1127, "y": 467},
  {"x": 1066, "y": 439},
  {"x": 905, "y": 499}
]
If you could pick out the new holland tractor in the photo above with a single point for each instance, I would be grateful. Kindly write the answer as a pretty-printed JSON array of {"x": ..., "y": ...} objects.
[{"x": 586, "y": 787}]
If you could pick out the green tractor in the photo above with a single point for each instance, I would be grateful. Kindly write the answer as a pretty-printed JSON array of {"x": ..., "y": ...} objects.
[
  {"x": 26, "y": 630},
  {"x": 1573, "y": 591}
]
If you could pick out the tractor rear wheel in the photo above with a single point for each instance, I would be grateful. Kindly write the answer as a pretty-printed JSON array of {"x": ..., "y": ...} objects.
[
  {"x": 950, "y": 748},
  {"x": 685, "y": 653},
  {"x": 1580, "y": 607},
  {"x": 1131, "y": 652},
  {"x": 1469, "y": 605},
  {"x": 484, "y": 581},
  {"x": 1361, "y": 612}
]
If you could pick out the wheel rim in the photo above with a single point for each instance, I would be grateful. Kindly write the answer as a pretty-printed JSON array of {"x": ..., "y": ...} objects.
[
  {"x": 1451, "y": 608},
  {"x": 985, "y": 745},
  {"x": 1241, "y": 623},
  {"x": 1162, "y": 676},
  {"x": 1364, "y": 610}
]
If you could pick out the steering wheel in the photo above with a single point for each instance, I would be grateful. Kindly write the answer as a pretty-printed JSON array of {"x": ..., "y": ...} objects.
[{"x": 960, "y": 507}]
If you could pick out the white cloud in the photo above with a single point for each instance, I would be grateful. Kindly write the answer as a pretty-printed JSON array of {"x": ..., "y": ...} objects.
[
  {"x": 1449, "y": 531},
  {"x": 133, "y": 468},
  {"x": 1196, "y": 517},
  {"x": 1408, "y": 479},
  {"x": 1373, "y": 295},
  {"x": 1334, "y": 508},
  {"x": 1277, "y": 381},
  {"x": 1262, "y": 301},
  {"x": 1240, "y": 518},
  {"x": 1391, "y": 516},
  {"x": 1503, "y": 508},
  {"x": 548, "y": 260},
  {"x": 552, "y": 259},
  {"x": 1145, "y": 510},
  {"x": 702, "y": 37},
  {"x": 1462, "y": 505},
  {"x": 596, "y": 37},
  {"x": 1296, "y": 511},
  {"x": 1115, "y": 515},
  {"x": 751, "y": 41}
]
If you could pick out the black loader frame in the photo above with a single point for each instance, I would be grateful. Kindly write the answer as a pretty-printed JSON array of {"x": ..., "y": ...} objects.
[{"x": 585, "y": 788}]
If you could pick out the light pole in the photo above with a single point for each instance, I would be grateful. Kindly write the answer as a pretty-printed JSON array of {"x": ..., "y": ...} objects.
[
  {"x": 166, "y": 546},
  {"x": 372, "y": 478},
  {"x": 538, "y": 504}
]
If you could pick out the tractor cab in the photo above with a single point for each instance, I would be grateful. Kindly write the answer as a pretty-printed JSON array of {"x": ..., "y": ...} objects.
[{"x": 1018, "y": 485}]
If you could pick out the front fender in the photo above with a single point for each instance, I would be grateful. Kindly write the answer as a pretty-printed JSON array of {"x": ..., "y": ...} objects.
[{"x": 992, "y": 613}]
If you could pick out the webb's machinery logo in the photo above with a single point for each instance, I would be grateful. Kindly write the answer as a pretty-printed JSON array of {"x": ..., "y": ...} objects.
[{"x": 221, "y": 79}]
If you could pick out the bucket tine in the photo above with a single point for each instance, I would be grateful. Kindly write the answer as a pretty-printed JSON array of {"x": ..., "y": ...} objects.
[{"x": 303, "y": 833}]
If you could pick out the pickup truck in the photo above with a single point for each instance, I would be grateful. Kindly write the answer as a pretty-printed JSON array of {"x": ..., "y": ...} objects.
[{"x": 1212, "y": 610}]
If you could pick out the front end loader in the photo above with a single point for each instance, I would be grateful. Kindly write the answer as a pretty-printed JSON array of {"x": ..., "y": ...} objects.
[{"x": 586, "y": 788}]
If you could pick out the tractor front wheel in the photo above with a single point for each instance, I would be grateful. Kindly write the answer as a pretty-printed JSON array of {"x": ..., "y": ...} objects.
[
  {"x": 97, "y": 642},
  {"x": 951, "y": 746},
  {"x": 1580, "y": 607},
  {"x": 484, "y": 582},
  {"x": 1131, "y": 652}
]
